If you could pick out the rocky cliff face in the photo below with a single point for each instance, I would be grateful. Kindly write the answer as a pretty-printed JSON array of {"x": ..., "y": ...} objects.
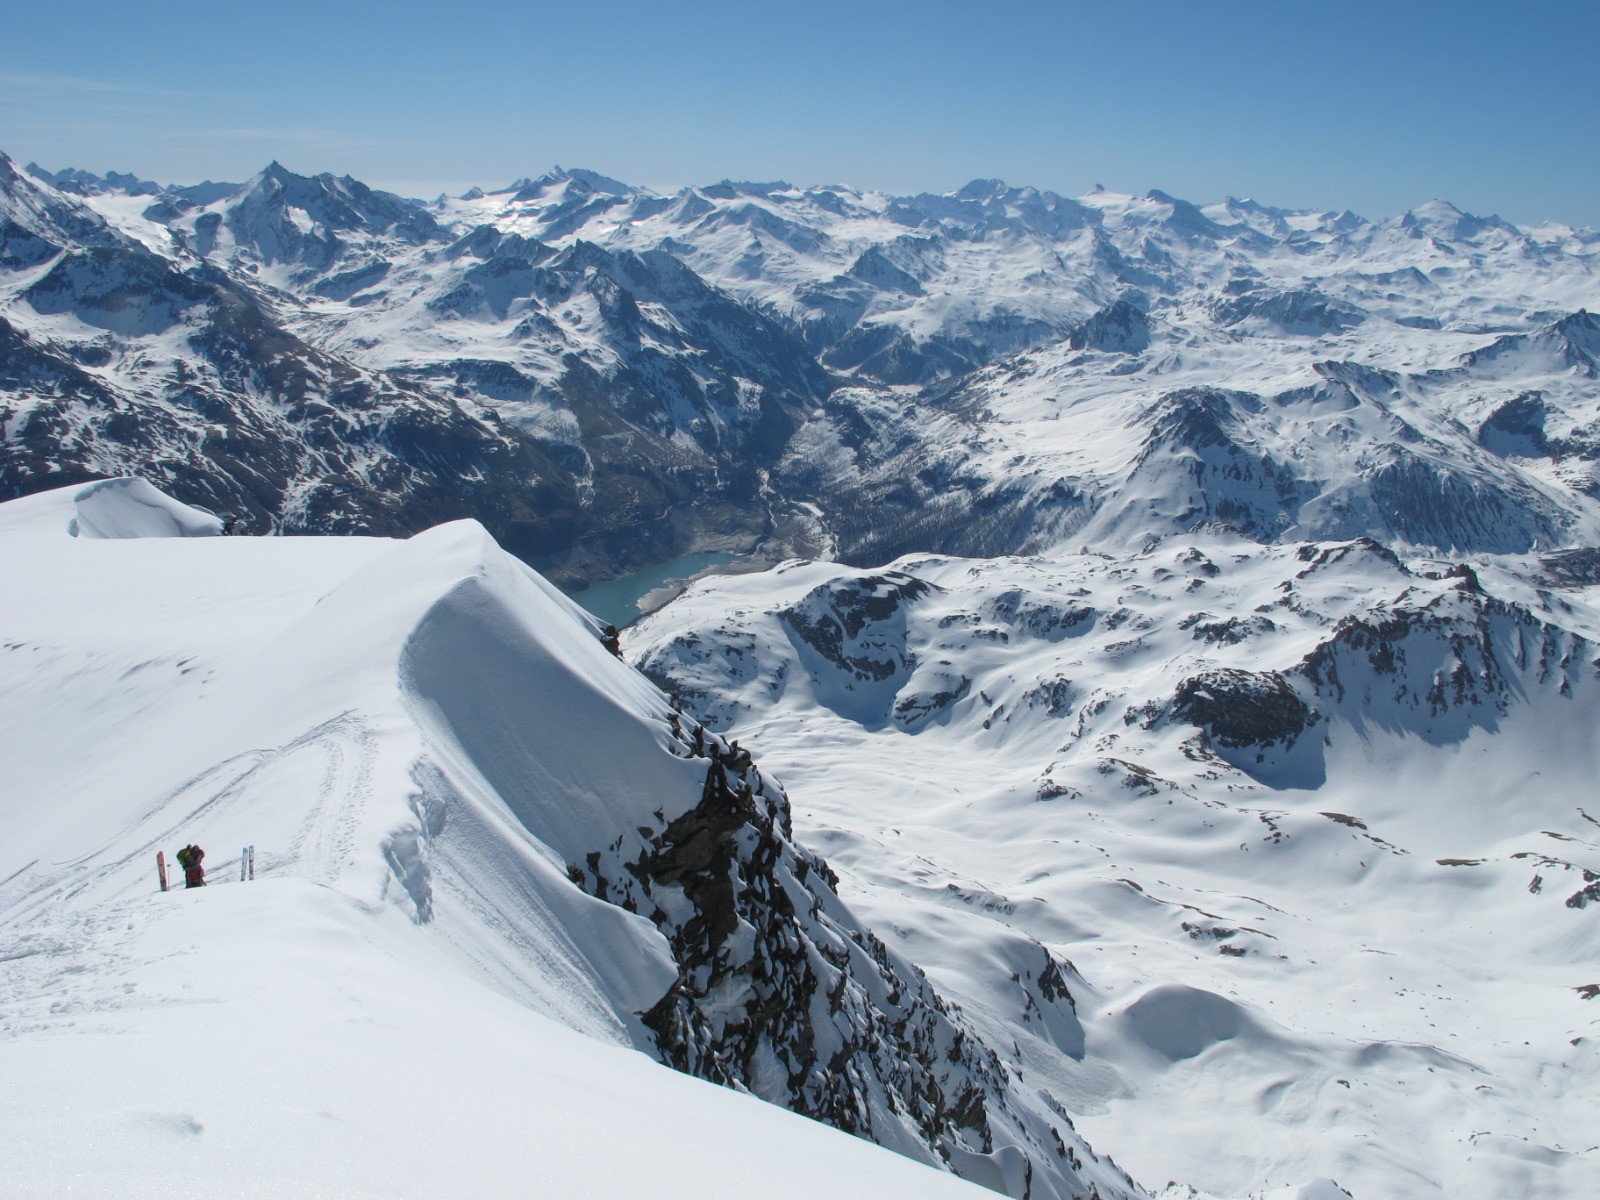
[{"x": 782, "y": 991}]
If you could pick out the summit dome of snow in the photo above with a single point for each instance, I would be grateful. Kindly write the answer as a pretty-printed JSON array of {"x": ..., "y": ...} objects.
[{"x": 131, "y": 508}]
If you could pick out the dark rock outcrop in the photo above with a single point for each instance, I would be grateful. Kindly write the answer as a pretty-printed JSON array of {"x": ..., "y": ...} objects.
[
  {"x": 1119, "y": 328},
  {"x": 782, "y": 992},
  {"x": 1243, "y": 708}
]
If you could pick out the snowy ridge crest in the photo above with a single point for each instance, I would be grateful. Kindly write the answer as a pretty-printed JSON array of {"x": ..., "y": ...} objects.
[
  {"x": 779, "y": 989},
  {"x": 432, "y": 736}
]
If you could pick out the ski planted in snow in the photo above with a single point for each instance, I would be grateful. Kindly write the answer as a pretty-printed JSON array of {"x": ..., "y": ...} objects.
[
  {"x": 161, "y": 869},
  {"x": 247, "y": 863}
]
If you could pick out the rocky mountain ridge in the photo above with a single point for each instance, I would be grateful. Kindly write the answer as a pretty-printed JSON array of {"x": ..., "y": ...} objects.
[{"x": 769, "y": 369}]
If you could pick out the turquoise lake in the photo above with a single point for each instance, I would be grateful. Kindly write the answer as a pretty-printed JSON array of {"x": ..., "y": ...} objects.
[{"x": 617, "y": 600}]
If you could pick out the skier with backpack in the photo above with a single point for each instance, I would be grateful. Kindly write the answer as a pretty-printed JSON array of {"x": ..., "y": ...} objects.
[{"x": 189, "y": 858}]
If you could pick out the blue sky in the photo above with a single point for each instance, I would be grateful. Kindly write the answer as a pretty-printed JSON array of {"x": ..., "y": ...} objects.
[{"x": 1369, "y": 106}]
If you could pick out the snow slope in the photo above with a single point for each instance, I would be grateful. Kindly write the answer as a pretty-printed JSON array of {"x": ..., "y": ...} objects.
[
  {"x": 423, "y": 740},
  {"x": 1314, "y": 826},
  {"x": 278, "y": 1038}
]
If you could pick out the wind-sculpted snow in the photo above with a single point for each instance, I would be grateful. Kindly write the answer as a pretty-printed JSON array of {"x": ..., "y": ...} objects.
[
  {"x": 1314, "y": 823},
  {"x": 131, "y": 508},
  {"x": 435, "y": 739},
  {"x": 778, "y": 989}
]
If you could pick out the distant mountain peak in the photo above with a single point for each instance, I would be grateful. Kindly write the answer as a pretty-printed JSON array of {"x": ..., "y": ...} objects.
[
  {"x": 602, "y": 183},
  {"x": 983, "y": 189},
  {"x": 1442, "y": 219},
  {"x": 74, "y": 179},
  {"x": 1435, "y": 209},
  {"x": 528, "y": 188}
]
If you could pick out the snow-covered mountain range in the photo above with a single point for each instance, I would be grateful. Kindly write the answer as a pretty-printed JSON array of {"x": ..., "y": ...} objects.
[
  {"x": 620, "y": 376},
  {"x": 1168, "y": 725}
]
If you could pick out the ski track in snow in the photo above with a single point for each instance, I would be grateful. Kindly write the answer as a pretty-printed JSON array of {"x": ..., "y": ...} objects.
[
  {"x": 318, "y": 851},
  {"x": 323, "y": 846},
  {"x": 65, "y": 932}
]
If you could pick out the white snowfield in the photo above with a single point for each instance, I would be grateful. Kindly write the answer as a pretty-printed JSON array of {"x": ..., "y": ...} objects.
[
  {"x": 305, "y": 1034},
  {"x": 1316, "y": 827}
]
